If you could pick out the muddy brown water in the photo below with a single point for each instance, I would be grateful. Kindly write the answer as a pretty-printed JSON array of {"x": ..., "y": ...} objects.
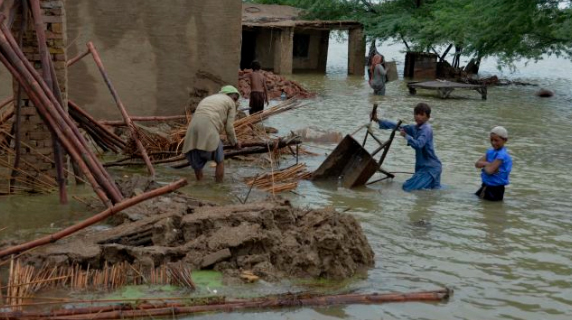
[{"x": 509, "y": 260}]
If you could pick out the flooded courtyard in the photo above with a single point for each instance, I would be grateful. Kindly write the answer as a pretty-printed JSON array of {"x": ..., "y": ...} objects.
[{"x": 509, "y": 260}]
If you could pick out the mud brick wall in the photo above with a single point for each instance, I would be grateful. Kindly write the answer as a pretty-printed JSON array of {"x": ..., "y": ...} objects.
[{"x": 37, "y": 144}]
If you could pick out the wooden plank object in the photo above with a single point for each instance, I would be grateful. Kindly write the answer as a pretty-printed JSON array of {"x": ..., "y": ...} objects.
[
  {"x": 444, "y": 88},
  {"x": 349, "y": 162}
]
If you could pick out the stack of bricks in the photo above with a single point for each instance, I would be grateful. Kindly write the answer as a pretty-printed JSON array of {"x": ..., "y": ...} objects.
[{"x": 36, "y": 150}]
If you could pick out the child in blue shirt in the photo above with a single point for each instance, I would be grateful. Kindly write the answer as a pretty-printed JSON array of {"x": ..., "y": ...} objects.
[
  {"x": 420, "y": 137},
  {"x": 495, "y": 167}
]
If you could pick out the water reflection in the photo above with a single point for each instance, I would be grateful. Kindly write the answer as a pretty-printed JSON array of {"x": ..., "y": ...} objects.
[
  {"x": 493, "y": 215},
  {"x": 422, "y": 212}
]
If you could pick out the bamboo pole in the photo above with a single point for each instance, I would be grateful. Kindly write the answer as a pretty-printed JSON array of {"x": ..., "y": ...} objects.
[
  {"x": 115, "y": 138},
  {"x": 118, "y": 123},
  {"x": 51, "y": 82},
  {"x": 52, "y": 122},
  {"x": 126, "y": 118},
  {"x": 45, "y": 101},
  {"x": 18, "y": 101},
  {"x": 58, "y": 150},
  {"x": 97, "y": 218},
  {"x": 173, "y": 309},
  {"x": 80, "y": 56}
]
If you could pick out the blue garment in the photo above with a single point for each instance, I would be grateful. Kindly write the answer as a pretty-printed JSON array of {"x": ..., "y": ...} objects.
[
  {"x": 499, "y": 178},
  {"x": 427, "y": 165},
  {"x": 199, "y": 158}
]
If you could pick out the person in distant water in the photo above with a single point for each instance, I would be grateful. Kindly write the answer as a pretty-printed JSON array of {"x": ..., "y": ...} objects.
[
  {"x": 495, "y": 166},
  {"x": 258, "y": 90},
  {"x": 420, "y": 137},
  {"x": 378, "y": 74},
  {"x": 214, "y": 115}
]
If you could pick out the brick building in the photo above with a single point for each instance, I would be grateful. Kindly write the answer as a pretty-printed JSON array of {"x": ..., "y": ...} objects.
[{"x": 159, "y": 56}]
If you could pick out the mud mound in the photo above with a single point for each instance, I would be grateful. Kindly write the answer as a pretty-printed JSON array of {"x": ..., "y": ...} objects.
[
  {"x": 277, "y": 239},
  {"x": 272, "y": 240}
]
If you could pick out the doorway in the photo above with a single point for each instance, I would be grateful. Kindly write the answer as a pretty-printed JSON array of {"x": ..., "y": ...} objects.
[{"x": 248, "y": 49}]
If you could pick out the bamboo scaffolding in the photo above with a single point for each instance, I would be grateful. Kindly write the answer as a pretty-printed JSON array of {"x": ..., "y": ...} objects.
[
  {"x": 126, "y": 118},
  {"x": 58, "y": 120},
  {"x": 52, "y": 124},
  {"x": 45, "y": 94},
  {"x": 96, "y": 218}
]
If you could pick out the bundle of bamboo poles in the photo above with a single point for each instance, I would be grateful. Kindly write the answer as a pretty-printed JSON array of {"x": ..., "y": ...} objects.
[
  {"x": 160, "y": 145},
  {"x": 251, "y": 120},
  {"x": 101, "y": 135},
  {"x": 244, "y": 127},
  {"x": 164, "y": 148},
  {"x": 25, "y": 280},
  {"x": 281, "y": 180},
  {"x": 149, "y": 309},
  {"x": 43, "y": 96}
]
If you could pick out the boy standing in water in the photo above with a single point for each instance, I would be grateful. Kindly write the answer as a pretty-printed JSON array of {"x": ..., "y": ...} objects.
[
  {"x": 495, "y": 167},
  {"x": 420, "y": 137},
  {"x": 258, "y": 90}
]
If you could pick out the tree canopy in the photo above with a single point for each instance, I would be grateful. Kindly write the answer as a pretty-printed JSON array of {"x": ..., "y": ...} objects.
[{"x": 506, "y": 29}]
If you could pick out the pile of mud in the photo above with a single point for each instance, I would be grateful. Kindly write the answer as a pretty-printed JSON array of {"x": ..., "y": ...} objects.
[
  {"x": 273, "y": 240},
  {"x": 275, "y": 84}
]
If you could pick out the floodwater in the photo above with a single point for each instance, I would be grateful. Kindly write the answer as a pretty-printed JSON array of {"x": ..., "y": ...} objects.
[{"x": 509, "y": 260}]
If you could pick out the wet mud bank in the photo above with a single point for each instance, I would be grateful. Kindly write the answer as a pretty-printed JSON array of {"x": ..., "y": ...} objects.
[{"x": 273, "y": 240}]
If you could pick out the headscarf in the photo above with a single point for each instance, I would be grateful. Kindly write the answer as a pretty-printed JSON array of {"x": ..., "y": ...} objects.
[
  {"x": 377, "y": 59},
  {"x": 229, "y": 90}
]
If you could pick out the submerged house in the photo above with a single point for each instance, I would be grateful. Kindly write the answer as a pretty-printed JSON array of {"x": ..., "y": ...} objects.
[{"x": 284, "y": 42}]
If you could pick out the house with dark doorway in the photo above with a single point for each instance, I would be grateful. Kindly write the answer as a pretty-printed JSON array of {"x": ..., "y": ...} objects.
[{"x": 284, "y": 42}]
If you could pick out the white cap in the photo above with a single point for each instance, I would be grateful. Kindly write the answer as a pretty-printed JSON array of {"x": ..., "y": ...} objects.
[{"x": 500, "y": 131}]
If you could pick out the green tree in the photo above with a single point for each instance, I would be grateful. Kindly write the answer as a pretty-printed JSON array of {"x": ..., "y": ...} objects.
[{"x": 507, "y": 29}]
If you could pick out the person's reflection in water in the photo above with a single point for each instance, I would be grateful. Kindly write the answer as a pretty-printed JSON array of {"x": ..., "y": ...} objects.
[
  {"x": 493, "y": 215},
  {"x": 421, "y": 213}
]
